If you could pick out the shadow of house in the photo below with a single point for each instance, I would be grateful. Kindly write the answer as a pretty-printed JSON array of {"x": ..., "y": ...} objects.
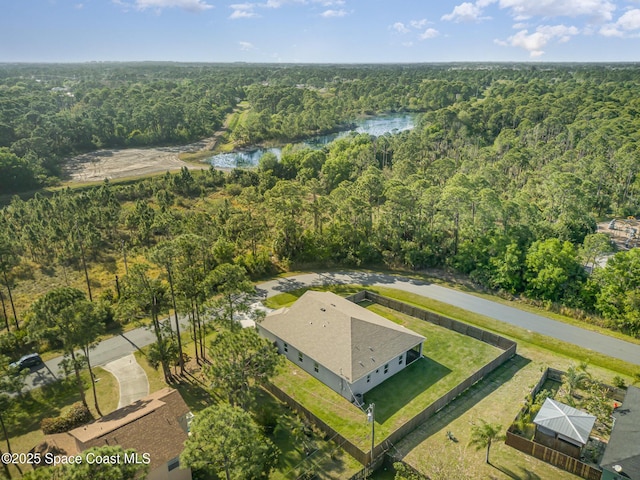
[
  {"x": 621, "y": 459},
  {"x": 405, "y": 386}
]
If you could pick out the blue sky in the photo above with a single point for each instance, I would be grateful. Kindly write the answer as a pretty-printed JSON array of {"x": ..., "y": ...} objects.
[{"x": 319, "y": 31}]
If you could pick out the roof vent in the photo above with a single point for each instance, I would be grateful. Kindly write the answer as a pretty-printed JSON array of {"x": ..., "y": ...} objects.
[
  {"x": 617, "y": 468},
  {"x": 361, "y": 364},
  {"x": 323, "y": 309},
  {"x": 333, "y": 304},
  {"x": 371, "y": 348},
  {"x": 324, "y": 325},
  {"x": 373, "y": 360}
]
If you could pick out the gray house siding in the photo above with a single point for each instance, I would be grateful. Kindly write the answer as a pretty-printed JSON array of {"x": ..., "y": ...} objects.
[
  {"x": 379, "y": 375},
  {"x": 308, "y": 364}
]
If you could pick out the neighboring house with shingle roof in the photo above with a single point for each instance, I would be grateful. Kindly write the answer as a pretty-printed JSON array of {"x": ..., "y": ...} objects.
[
  {"x": 156, "y": 425},
  {"x": 621, "y": 459},
  {"x": 348, "y": 348},
  {"x": 562, "y": 427}
]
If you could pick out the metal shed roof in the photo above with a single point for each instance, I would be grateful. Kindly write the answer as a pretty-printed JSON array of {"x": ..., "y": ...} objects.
[{"x": 565, "y": 420}]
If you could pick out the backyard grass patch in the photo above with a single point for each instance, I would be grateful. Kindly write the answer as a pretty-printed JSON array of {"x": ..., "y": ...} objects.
[{"x": 449, "y": 359}]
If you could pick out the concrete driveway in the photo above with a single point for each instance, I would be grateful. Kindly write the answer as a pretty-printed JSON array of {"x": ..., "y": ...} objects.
[{"x": 132, "y": 379}]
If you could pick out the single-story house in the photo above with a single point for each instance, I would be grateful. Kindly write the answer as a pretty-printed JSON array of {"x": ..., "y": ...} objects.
[
  {"x": 347, "y": 347},
  {"x": 156, "y": 425},
  {"x": 621, "y": 459},
  {"x": 562, "y": 427}
]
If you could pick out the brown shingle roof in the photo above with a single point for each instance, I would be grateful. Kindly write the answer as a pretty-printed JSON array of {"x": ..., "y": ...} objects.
[
  {"x": 343, "y": 337},
  {"x": 156, "y": 425}
]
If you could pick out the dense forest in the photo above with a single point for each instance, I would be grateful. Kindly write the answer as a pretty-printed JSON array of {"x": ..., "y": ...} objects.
[{"x": 502, "y": 179}]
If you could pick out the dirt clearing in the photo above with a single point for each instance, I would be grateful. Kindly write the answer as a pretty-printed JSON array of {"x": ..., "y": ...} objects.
[{"x": 130, "y": 162}]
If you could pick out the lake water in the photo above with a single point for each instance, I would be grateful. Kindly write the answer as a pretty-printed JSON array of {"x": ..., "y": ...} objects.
[{"x": 373, "y": 126}]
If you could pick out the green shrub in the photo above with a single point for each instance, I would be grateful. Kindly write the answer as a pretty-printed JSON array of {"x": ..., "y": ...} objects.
[
  {"x": 77, "y": 415},
  {"x": 619, "y": 382}
]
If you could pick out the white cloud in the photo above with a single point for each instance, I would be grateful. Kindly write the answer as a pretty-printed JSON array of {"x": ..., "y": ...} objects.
[
  {"x": 519, "y": 26},
  {"x": 630, "y": 20},
  {"x": 626, "y": 25},
  {"x": 400, "y": 27},
  {"x": 465, "y": 12},
  {"x": 281, "y": 3},
  {"x": 598, "y": 10},
  {"x": 429, "y": 33},
  {"x": 407, "y": 44},
  {"x": 330, "y": 3},
  {"x": 536, "y": 41},
  {"x": 242, "y": 10},
  {"x": 246, "y": 46},
  {"x": 79, "y": 6},
  {"x": 189, "y": 5},
  {"x": 418, "y": 23},
  {"x": 333, "y": 13}
]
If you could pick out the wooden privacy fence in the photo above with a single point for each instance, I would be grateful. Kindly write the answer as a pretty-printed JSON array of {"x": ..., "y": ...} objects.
[
  {"x": 554, "y": 457},
  {"x": 363, "y": 457}
]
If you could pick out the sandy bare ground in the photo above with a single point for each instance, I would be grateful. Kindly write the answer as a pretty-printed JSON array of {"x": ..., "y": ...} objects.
[
  {"x": 129, "y": 162},
  {"x": 134, "y": 162}
]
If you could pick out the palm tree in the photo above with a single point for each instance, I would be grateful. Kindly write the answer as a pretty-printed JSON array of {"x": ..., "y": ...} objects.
[
  {"x": 575, "y": 378},
  {"x": 482, "y": 436}
]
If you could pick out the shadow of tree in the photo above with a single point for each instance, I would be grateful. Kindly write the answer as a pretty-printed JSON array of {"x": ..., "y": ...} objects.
[
  {"x": 524, "y": 474},
  {"x": 463, "y": 403}
]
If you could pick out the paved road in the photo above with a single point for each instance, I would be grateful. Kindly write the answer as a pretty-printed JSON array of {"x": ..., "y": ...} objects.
[{"x": 122, "y": 345}]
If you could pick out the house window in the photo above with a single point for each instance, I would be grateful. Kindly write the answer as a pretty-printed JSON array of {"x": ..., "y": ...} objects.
[
  {"x": 173, "y": 464},
  {"x": 316, "y": 367},
  {"x": 400, "y": 360},
  {"x": 285, "y": 347},
  {"x": 368, "y": 378},
  {"x": 300, "y": 357},
  {"x": 386, "y": 368}
]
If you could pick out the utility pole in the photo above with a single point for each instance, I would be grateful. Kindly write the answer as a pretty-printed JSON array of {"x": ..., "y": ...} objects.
[{"x": 371, "y": 418}]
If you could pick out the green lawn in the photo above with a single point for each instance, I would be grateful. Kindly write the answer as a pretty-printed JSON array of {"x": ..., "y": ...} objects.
[{"x": 450, "y": 358}]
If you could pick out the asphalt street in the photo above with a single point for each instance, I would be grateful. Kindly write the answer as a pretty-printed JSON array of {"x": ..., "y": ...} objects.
[{"x": 125, "y": 344}]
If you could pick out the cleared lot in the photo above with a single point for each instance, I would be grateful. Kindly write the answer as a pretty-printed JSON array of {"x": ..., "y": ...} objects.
[{"x": 130, "y": 162}]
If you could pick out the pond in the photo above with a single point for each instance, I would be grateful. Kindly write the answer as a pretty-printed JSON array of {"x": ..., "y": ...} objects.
[{"x": 373, "y": 126}]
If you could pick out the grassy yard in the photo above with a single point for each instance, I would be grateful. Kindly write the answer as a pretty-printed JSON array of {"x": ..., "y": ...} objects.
[
  {"x": 25, "y": 414},
  {"x": 449, "y": 358}
]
